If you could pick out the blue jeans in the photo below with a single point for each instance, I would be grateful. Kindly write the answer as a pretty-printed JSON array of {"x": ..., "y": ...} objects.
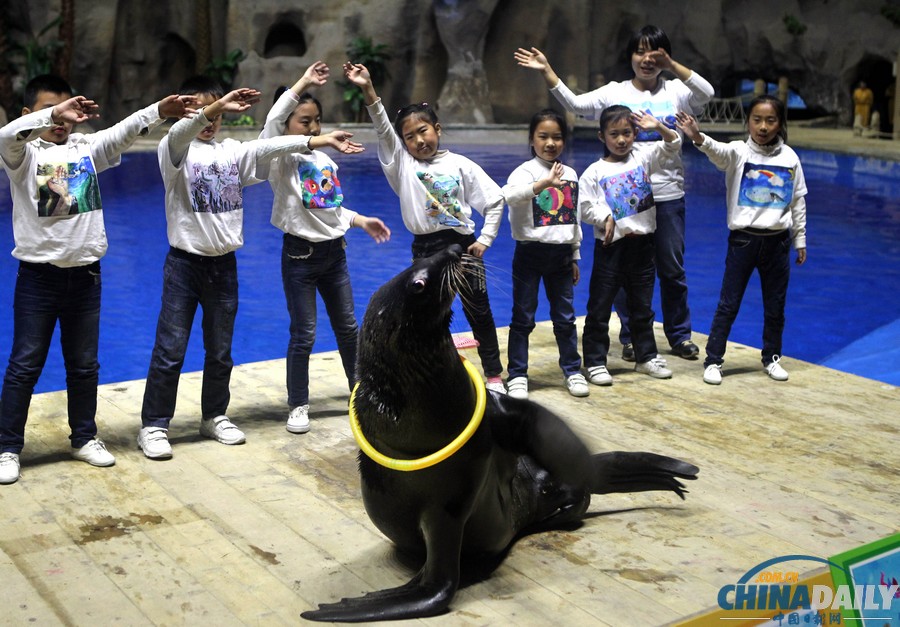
[
  {"x": 625, "y": 264},
  {"x": 673, "y": 290},
  {"x": 190, "y": 280},
  {"x": 770, "y": 256},
  {"x": 44, "y": 295},
  {"x": 552, "y": 263},
  {"x": 476, "y": 305},
  {"x": 307, "y": 267}
]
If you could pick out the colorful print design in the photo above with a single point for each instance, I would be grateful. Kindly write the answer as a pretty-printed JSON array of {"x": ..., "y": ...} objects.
[
  {"x": 628, "y": 193},
  {"x": 67, "y": 189},
  {"x": 441, "y": 203},
  {"x": 215, "y": 188},
  {"x": 662, "y": 111},
  {"x": 767, "y": 187},
  {"x": 554, "y": 207},
  {"x": 321, "y": 187}
]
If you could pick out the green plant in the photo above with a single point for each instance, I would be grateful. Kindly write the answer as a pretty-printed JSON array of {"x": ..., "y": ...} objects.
[
  {"x": 375, "y": 57},
  {"x": 224, "y": 68},
  {"x": 793, "y": 25},
  {"x": 242, "y": 120},
  {"x": 35, "y": 58},
  {"x": 892, "y": 13}
]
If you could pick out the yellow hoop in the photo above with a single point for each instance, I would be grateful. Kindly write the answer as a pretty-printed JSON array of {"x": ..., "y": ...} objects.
[{"x": 407, "y": 465}]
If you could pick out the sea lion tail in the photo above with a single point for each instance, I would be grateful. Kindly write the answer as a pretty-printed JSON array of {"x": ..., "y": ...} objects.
[{"x": 621, "y": 471}]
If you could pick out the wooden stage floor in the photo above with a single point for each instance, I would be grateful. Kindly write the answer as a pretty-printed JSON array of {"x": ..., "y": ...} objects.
[{"x": 255, "y": 534}]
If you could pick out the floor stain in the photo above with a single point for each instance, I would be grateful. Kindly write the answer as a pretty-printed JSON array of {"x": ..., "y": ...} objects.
[
  {"x": 265, "y": 555},
  {"x": 107, "y": 527}
]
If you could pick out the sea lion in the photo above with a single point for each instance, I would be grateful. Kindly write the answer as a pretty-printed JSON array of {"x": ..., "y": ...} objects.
[{"x": 521, "y": 469}]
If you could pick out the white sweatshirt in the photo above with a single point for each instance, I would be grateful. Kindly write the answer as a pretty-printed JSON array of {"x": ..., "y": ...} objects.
[
  {"x": 765, "y": 187},
  {"x": 441, "y": 192},
  {"x": 204, "y": 184},
  {"x": 550, "y": 217},
  {"x": 308, "y": 195},
  {"x": 669, "y": 97},
  {"x": 623, "y": 190},
  {"x": 57, "y": 212}
]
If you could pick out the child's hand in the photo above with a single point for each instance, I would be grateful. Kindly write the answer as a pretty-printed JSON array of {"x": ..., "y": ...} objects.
[
  {"x": 645, "y": 121},
  {"x": 340, "y": 141},
  {"x": 74, "y": 111},
  {"x": 609, "y": 229},
  {"x": 239, "y": 100},
  {"x": 533, "y": 59},
  {"x": 801, "y": 256},
  {"x": 357, "y": 73},
  {"x": 376, "y": 229},
  {"x": 556, "y": 173},
  {"x": 576, "y": 273},
  {"x": 477, "y": 250},
  {"x": 689, "y": 126},
  {"x": 316, "y": 74},
  {"x": 176, "y": 106}
]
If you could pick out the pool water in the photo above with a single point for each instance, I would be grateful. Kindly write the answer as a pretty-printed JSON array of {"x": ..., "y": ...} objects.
[{"x": 842, "y": 307}]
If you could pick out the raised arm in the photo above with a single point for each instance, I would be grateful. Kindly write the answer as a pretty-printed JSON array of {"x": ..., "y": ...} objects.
[
  {"x": 358, "y": 74},
  {"x": 536, "y": 60},
  {"x": 315, "y": 75}
]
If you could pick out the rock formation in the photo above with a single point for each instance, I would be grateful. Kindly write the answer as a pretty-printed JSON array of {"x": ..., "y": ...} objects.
[{"x": 458, "y": 53}]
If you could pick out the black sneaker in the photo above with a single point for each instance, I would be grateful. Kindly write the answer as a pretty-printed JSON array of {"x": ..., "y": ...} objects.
[
  {"x": 628, "y": 352},
  {"x": 686, "y": 350}
]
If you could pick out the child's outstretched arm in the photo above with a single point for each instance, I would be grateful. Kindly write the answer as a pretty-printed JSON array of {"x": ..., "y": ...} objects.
[
  {"x": 651, "y": 123},
  {"x": 688, "y": 125},
  {"x": 315, "y": 75},
  {"x": 376, "y": 229},
  {"x": 358, "y": 74},
  {"x": 235, "y": 101},
  {"x": 339, "y": 140},
  {"x": 177, "y": 106},
  {"x": 536, "y": 60},
  {"x": 74, "y": 111}
]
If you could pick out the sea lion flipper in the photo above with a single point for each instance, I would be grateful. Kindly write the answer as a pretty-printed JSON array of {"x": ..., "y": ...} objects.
[
  {"x": 620, "y": 471},
  {"x": 428, "y": 593}
]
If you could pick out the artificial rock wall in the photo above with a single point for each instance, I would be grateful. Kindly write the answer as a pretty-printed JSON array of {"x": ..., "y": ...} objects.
[{"x": 458, "y": 53}]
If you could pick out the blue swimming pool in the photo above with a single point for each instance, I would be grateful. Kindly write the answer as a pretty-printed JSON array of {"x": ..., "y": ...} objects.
[{"x": 842, "y": 308}]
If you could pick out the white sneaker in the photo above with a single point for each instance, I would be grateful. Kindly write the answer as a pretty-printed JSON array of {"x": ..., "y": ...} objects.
[
  {"x": 9, "y": 468},
  {"x": 656, "y": 368},
  {"x": 298, "y": 419},
  {"x": 221, "y": 429},
  {"x": 577, "y": 385},
  {"x": 713, "y": 374},
  {"x": 775, "y": 370},
  {"x": 94, "y": 453},
  {"x": 496, "y": 386},
  {"x": 599, "y": 375},
  {"x": 517, "y": 387},
  {"x": 154, "y": 441}
]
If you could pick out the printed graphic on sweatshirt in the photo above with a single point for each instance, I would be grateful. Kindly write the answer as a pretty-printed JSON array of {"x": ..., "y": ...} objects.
[
  {"x": 441, "y": 204},
  {"x": 321, "y": 187},
  {"x": 628, "y": 193},
  {"x": 215, "y": 188},
  {"x": 767, "y": 186},
  {"x": 67, "y": 189},
  {"x": 554, "y": 207},
  {"x": 662, "y": 111}
]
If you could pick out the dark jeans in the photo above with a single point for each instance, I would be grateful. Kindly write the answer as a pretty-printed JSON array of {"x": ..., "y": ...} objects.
[
  {"x": 770, "y": 256},
  {"x": 190, "y": 280},
  {"x": 307, "y": 267},
  {"x": 552, "y": 263},
  {"x": 476, "y": 305},
  {"x": 625, "y": 264},
  {"x": 44, "y": 294},
  {"x": 673, "y": 291}
]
